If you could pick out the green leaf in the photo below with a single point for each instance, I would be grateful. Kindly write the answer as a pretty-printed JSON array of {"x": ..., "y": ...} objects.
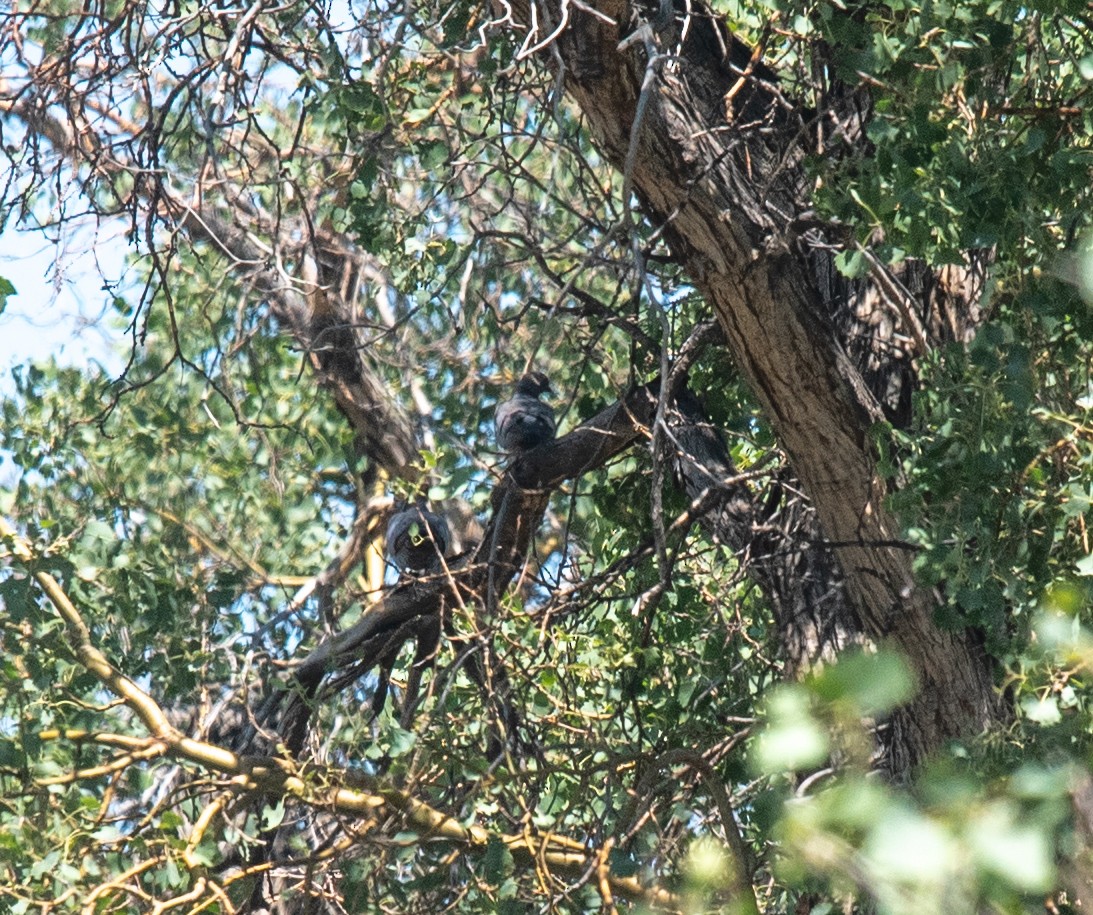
[
  {"x": 871, "y": 683},
  {"x": 6, "y": 290},
  {"x": 1018, "y": 853},
  {"x": 792, "y": 738},
  {"x": 497, "y": 862},
  {"x": 902, "y": 829},
  {"x": 273, "y": 815},
  {"x": 852, "y": 264},
  {"x": 1043, "y": 711}
]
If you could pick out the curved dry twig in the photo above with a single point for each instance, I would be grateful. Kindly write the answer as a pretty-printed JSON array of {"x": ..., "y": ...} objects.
[{"x": 320, "y": 787}]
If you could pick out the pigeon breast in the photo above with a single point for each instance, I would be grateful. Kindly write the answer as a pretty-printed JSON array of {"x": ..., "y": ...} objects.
[{"x": 525, "y": 421}]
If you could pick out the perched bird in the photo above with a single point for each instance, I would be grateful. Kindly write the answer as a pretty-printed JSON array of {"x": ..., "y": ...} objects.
[
  {"x": 417, "y": 539},
  {"x": 525, "y": 421}
]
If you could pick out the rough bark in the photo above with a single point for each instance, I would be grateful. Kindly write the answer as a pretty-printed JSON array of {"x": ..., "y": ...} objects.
[
  {"x": 776, "y": 538},
  {"x": 715, "y": 159}
]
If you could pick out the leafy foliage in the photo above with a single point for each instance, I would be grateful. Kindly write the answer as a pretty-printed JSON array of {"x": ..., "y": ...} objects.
[{"x": 425, "y": 168}]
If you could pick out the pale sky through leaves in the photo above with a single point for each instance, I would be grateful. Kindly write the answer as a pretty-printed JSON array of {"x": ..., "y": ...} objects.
[{"x": 62, "y": 312}]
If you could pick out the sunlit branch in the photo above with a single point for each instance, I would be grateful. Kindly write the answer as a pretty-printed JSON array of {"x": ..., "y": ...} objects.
[{"x": 315, "y": 787}]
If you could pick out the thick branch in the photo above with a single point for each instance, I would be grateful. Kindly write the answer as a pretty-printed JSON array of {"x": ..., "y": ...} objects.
[
  {"x": 518, "y": 505},
  {"x": 318, "y": 318}
]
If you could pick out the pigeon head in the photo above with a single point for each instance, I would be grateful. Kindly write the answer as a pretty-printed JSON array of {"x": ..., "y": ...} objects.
[{"x": 533, "y": 384}]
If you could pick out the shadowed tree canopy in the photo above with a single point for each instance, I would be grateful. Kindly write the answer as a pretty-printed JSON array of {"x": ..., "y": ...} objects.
[{"x": 799, "y": 588}]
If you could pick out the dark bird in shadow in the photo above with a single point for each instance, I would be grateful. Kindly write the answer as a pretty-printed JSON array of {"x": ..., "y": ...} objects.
[
  {"x": 417, "y": 539},
  {"x": 525, "y": 421}
]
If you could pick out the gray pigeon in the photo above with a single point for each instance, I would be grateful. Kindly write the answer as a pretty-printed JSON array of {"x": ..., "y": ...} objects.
[
  {"x": 525, "y": 421},
  {"x": 416, "y": 539}
]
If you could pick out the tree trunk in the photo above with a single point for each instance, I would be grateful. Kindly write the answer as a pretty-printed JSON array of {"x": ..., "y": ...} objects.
[{"x": 714, "y": 153}]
